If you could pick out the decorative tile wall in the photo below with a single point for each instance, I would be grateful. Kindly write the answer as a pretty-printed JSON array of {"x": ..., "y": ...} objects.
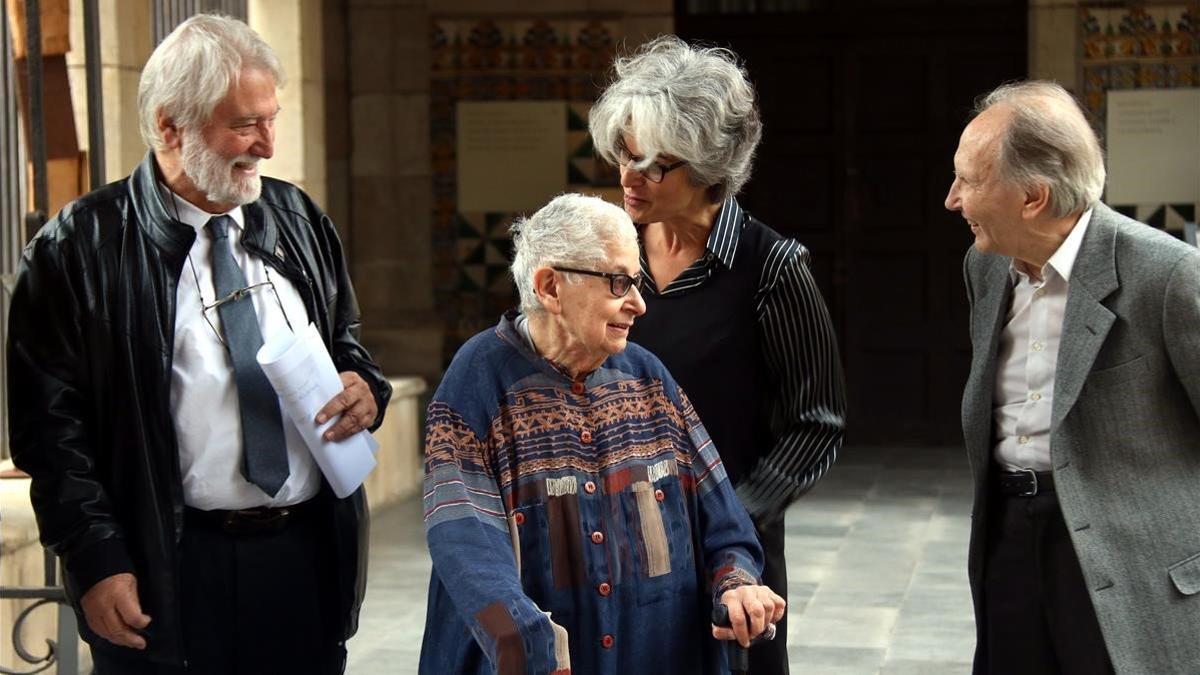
[
  {"x": 490, "y": 60},
  {"x": 1139, "y": 46}
]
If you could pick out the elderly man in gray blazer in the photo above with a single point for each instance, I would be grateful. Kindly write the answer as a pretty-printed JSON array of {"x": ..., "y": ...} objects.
[{"x": 1082, "y": 411}]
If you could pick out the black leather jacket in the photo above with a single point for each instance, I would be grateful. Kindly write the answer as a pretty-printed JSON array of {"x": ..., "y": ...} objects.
[{"x": 91, "y": 334}]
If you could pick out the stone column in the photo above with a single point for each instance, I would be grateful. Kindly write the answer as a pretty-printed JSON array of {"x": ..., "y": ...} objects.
[
  {"x": 293, "y": 29},
  {"x": 124, "y": 48},
  {"x": 390, "y": 184},
  {"x": 1054, "y": 41}
]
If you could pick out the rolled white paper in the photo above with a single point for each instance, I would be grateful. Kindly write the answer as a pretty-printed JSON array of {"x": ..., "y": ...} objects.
[{"x": 303, "y": 374}]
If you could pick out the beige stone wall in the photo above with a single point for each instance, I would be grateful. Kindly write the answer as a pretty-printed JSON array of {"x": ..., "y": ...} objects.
[
  {"x": 293, "y": 28},
  {"x": 124, "y": 48},
  {"x": 1054, "y": 41}
]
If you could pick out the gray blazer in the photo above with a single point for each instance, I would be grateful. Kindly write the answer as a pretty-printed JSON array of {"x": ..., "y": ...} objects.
[{"x": 1124, "y": 435}]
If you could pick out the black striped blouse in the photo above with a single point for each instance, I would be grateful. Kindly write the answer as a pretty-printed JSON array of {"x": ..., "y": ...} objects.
[{"x": 800, "y": 350}]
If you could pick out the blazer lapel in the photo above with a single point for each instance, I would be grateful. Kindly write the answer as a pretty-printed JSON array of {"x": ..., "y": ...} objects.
[
  {"x": 987, "y": 317},
  {"x": 1087, "y": 321}
]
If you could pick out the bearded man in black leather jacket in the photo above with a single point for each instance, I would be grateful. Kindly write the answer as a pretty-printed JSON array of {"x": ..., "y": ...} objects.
[{"x": 127, "y": 403}]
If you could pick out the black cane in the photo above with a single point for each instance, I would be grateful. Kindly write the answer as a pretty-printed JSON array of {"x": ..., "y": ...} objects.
[{"x": 737, "y": 655}]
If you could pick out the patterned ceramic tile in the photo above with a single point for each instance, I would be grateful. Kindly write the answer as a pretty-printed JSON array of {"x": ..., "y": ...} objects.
[
  {"x": 488, "y": 60},
  {"x": 1139, "y": 46}
]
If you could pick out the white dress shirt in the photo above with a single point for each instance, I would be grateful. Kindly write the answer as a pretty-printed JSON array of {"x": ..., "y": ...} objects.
[
  {"x": 204, "y": 402},
  {"x": 1028, "y": 355}
]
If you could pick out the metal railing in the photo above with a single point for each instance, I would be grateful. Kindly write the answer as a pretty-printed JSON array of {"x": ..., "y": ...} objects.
[
  {"x": 13, "y": 196},
  {"x": 171, "y": 13}
]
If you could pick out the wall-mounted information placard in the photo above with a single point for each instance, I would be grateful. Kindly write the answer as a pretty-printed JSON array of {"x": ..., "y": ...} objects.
[
  {"x": 511, "y": 154},
  {"x": 1153, "y": 146}
]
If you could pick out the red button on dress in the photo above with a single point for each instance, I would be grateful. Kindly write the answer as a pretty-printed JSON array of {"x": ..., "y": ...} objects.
[
  {"x": 607, "y": 641},
  {"x": 519, "y": 518},
  {"x": 577, "y": 387},
  {"x": 589, "y": 487},
  {"x": 585, "y": 436},
  {"x": 658, "y": 494},
  {"x": 597, "y": 537},
  {"x": 604, "y": 589}
]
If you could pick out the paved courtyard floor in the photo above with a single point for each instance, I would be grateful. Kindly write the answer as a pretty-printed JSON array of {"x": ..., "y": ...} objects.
[{"x": 876, "y": 571}]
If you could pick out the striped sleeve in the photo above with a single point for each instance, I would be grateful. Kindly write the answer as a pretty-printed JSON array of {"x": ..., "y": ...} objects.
[{"x": 809, "y": 401}]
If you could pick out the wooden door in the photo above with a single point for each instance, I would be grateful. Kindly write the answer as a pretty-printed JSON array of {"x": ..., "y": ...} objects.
[{"x": 863, "y": 102}]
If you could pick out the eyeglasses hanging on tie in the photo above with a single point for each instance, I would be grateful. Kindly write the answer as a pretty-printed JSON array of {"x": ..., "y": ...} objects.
[{"x": 234, "y": 296}]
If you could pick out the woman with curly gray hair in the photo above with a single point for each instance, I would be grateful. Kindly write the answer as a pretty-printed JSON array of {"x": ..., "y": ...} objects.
[{"x": 732, "y": 309}]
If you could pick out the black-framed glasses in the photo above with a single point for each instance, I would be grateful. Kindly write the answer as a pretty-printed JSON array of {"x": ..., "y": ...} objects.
[
  {"x": 619, "y": 283},
  {"x": 653, "y": 173}
]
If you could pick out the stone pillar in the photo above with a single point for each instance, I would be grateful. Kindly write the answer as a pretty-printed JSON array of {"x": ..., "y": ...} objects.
[
  {"x": 1054, "y": 41},
  {"x": 124, "y": 48},
  {"x": 390, "y": 184},
  {"x": 293, "y": 29}
]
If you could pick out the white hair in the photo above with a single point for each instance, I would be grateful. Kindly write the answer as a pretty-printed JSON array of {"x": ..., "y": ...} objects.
[
  {"x": 572, "y": 230},
  {"x": 693, "y": 103},
  {"x": 193, "y": 68},
  {"x": 1048, "y": 141}
]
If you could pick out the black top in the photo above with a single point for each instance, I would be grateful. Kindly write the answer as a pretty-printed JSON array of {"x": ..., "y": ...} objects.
[{"x": 746, "y": 333}]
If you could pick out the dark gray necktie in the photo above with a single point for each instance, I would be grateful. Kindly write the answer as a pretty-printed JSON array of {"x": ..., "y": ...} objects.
[{"x": 263, "y": 445}]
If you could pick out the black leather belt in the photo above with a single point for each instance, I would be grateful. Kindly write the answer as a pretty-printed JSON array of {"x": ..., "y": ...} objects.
[
  {"x": 1024, "y": 482},
  {"x": 258, "y": 520}
]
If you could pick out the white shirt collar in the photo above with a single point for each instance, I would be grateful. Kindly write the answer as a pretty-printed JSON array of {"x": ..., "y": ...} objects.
[
  {"x": 1063, "y": 259},
  {"x": 190, "y": 214}
]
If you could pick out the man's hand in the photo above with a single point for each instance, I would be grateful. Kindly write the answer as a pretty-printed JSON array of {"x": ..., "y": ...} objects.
[
  {"x": 356, "y": 405},
  {"x": 113, "y": 611},
  {"x": 751, "y": 608}
]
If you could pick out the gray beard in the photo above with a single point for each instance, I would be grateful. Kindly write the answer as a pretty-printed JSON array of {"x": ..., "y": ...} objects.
[{"x": 213, "y": 174}]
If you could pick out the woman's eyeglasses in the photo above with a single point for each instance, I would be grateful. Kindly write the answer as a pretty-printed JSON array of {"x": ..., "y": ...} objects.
[
  {"x": 619, "y": 283},
  {"x": 653, "y": 173}
]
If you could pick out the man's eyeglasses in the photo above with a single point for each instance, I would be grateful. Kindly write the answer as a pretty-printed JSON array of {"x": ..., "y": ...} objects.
[
  {"x": 619, "y": 283},
  {"x": 653, "y": 173},
  {"x": 239, "y": 294}
]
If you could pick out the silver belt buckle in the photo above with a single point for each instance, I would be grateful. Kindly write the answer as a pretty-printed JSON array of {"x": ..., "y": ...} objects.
[{"x": 1033, "y": 477}]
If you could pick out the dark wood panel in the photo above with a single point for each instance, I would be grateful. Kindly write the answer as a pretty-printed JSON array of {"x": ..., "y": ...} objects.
[{"x": 862, "y": 105}]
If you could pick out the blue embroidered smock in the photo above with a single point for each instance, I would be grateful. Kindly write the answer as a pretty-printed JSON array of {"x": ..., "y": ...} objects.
[{"x": 575, "y": 526}]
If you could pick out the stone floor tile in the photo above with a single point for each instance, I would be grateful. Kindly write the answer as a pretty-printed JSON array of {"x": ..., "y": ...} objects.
[
  {"x": 908, "y": 667},
  {"x": 833, "y": 660}
]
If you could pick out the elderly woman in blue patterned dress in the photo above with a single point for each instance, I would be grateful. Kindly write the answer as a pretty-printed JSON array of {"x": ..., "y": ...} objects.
[{"x": 577, "y": 513}]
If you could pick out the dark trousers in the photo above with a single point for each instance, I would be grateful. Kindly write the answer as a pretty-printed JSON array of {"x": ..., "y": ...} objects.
[
  {"x": 771, "y": 658},
  {"x": 1040, "y": 619},
  {"x": 256, "y": 604}
]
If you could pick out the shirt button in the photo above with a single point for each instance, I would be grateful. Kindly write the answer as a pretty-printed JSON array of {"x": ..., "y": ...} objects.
[
  {"x": 597, "y": 537},
  {"x": 604, "y": 589},
  {"x": 577, "y": 387},
  {"x": 1035, "y": 396},
  {"x": 1023, "y": 440},
  {"x": 585, "y": 436},
  {"x": 1037, "y": 346},
  {"x": 589, "y": 487},
  {"x": 607, "y": 641},
  {"x": 1040, "y": 292},
  {"x": 519, "y": 518},
  {"x": 658, "y": 494}
]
